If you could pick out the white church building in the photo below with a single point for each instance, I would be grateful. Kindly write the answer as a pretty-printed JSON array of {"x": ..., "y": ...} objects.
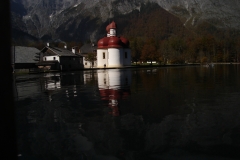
[{"x": 113, "y": 51}]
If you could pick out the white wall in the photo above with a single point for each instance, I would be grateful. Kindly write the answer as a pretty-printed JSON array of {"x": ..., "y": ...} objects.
[
  {"x": 51, "y": 58},
  {"x": 100, "y": 60},
  {"x": 112, "y": 32},
  {"x": 115, "y": 57},
  {"x": 87, "y": 64}
]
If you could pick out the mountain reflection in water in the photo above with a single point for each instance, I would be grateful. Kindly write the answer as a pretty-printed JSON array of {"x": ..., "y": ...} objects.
[{"x": 159, "y": 113}]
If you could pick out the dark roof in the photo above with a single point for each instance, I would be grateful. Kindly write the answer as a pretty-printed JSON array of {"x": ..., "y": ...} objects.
[
  {"x": 88, "y": 48},
  {"x": 24, "y": 54},
  {"x": 57, "y": 51},
  {"x": 82, "y": 54}
]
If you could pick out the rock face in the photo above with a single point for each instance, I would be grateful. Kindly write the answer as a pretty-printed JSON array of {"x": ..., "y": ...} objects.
[
  {"x": 83, "y": 19},
  {"x": 221, "y": 13}
]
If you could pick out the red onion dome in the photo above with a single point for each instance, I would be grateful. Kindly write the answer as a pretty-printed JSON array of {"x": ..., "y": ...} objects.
[
  {"x": 114, "y": 42},
  {"x": 103, "y": 43},
  {"x": 125, "y": 42},
  {"x": 112, "y": 25},
  {"x": 108, "y": 29}
]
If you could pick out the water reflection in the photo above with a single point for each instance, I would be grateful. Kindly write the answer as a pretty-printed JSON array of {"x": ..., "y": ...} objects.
[
  {"x": 52, "y": 82},
  {"x": 114, "y": 85},
  {"x": 161, "y": 113},
  {"x": 63, "y": 83}
]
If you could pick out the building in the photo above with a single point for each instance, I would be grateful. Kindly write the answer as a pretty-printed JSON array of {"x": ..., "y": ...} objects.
[
  {"x": 88, "y": 48},
  {"x": 113, "y": 51},
  {"x": 24, "y": 57},
  {"x": 54, "y": 58}
]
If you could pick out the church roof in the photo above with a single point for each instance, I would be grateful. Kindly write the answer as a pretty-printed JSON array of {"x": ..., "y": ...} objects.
[
  {"x": 112, "y": 25},
  {"x": 103, "y": 43},
  {"x": 113, "y": 41}
]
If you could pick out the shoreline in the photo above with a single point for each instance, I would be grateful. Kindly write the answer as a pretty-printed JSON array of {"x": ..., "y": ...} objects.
[{"x": 132, "y": 66}]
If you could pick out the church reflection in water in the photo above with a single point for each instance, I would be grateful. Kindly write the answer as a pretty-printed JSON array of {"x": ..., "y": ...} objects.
[{"x": 113, "y": 86}]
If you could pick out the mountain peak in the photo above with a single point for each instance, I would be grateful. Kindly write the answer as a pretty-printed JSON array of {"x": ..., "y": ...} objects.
[{"x": 83, "y": 19}]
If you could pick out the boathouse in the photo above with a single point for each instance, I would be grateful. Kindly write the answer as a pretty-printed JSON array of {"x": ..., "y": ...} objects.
[{"x": 54, "y": 58}]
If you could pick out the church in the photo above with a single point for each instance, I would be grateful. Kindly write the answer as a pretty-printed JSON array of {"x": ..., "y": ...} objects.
[{"x": 113, "y": 51}]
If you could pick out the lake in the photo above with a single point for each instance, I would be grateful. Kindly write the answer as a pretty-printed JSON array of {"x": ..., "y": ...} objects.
[{"x": 138, "y": 113}]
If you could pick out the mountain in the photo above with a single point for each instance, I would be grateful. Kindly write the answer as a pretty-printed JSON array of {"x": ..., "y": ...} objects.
[
  {"x": 81, "y": 20},
  {"x": 221, "y": 13}
]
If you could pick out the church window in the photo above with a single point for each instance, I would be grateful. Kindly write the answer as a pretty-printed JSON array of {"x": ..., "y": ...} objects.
[{"x": 103, "y": 55}]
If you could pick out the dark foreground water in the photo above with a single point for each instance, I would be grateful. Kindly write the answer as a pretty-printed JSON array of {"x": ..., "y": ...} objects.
[{"x": 147, "y": 113}]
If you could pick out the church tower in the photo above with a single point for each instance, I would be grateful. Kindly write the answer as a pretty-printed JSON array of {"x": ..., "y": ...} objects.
[{"x": 113, "y": 51}]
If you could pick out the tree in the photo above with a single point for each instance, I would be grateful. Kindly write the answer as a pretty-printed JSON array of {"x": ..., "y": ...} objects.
[
  {"x": 136, "y": 46},
  {"x": 91, "y": 58},
  {"x": 149, "y": 51},
  {"x": 178, "y": 47},
  {"x": 134, "y": 50},
  {"x": 191, "y": 51},
  {"x": 164, "y": 50},
  {"x": 238, "y": 50}
]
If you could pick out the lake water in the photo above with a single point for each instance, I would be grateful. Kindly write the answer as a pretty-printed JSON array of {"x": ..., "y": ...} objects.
[{"x": 138, "y": 113}]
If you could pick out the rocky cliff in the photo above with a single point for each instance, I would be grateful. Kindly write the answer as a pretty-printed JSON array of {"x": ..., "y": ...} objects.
[
  {"x": 221, "y": 13},
  {"x": 85, "y": 19}
]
